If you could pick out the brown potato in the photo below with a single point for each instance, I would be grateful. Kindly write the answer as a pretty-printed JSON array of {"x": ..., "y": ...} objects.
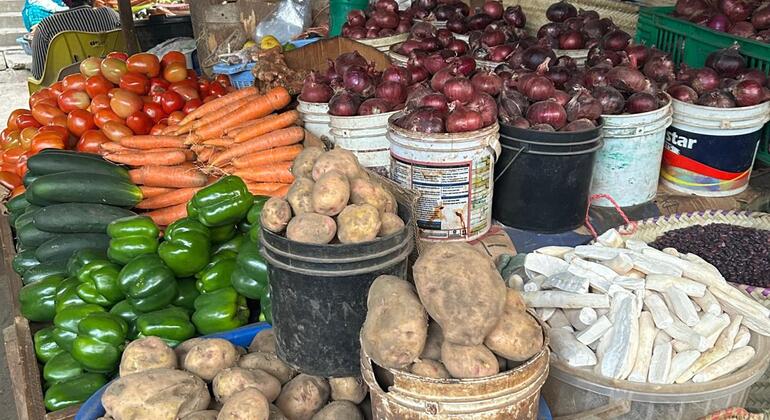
[
  {"x": 351, "y": 389},
  {"x": 391, "y": 224},
  {"x": 312, "y": 228},
  {"x": 145, "y": 354},
  {"x": 339, "y": 410},
  {"x": 396, "y": 324},
  {"x": 331, "y": 193},
  {"x": 275, "y": 215},
  {"x": 270, "y": 363},
  {"x": 514, "y": 302},
  {"x": 248, "y": 404},
  {"x": 275, "y": 413},
  {"x": 358, "y": 223},
  {"x": 304, "y": 162},
  {"x": 428, "y": 368},
  {"x": 461, "y": 290},
  {"x": 202, "y": 415},
  {"x": 365, "y": 191},
  {"x": 234, "y": 379},
  {"x": 468, "y": 361},
  {"x": 516, "y": 337},
  {"x": 432, "y": 348},
  {"x": 340, "y": 160},
  {"x": 300, "y": 196},
  {"x": 209, "y": 357},
  {"x": 263, "y": 341},
  {"x": 303, "y": 396},
  {"x": 155, "y": 394},
  {"x": 391, "y": 205},
  {"x": 185, "y": 346}
]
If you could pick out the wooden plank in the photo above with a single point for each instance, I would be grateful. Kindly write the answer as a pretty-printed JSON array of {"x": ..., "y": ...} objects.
[
  {"x": 7, "y": 275},
  {"x": 66, "y": 414},
  {"x": 25, "y": 374},
  {"x": 127, "y": 26}
]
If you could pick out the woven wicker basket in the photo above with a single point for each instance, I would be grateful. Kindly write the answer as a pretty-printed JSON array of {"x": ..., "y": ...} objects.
[{"x": 623, "y": 14}]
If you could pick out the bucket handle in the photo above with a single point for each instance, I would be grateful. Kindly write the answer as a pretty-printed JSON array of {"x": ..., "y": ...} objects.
[
  {"x": 611, "y": 410},
  {"x": 510, "y": 162}
]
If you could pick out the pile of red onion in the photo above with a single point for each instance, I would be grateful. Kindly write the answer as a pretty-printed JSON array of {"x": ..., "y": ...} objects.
[
  {"x": 725, "y": 82},
  {"x": 438, "y": 10},
  {"x": 744, "y": 18},
  {"x": 570, "y": 29},
  {"x": 491, "y": 13},
  {"x": 384, "y": 19}
]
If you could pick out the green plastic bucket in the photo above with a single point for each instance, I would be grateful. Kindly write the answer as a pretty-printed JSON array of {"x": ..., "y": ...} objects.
[{"x": 338, "y": 13}]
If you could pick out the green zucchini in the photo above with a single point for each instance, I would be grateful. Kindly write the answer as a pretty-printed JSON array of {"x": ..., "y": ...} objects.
[
  {"x": 39, "y": 272},
  {"x": 78, "y": 217},
  {"x": 28, "y": 179},
  {"x": 24, "y": 219},
  {"x": 34, "y": 199},
  {"x": 23, "y": 261},
  {"x": 62, "y": 247},
  {"x": 17, "y": 204},
  {"x": 32, "y": 237},
  {"x": 83, "y": 187},
  {"x": 54, "y": 162}
]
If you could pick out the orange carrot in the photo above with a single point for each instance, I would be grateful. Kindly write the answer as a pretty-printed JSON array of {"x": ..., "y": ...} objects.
[
  {"x": 281, "y": 192},
  {"x": 218, "y": 103},
  {"x": 279, "y": 138},
  {"x": 265, "y": 157},
  {"x": 258, "y": 107},
  {"x": 278, "y": 172},
  {"x": 263, "y": 188},
  {"x": 205, "y": 154},
  {"x": 218, "y": 142},
  {"x": 222, "y": 112},
  {"x": 182, "y": 176},
  {"x": 239, "y": 127},
  {"x": 168, "y": 215},
  {"x": 169, "y": 130},
  {"x": 140, "y": 158},
  {"x": 182, "y": 195},
  {"x": 267, "y": 124},
  {"x": 112, "y": 147},
  {"x": 152, "y": 142},
  {"x": 149, "y": 192}
]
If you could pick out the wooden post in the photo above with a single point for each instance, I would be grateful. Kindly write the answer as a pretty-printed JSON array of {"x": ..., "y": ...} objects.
[{"x": 127, "y": 25}]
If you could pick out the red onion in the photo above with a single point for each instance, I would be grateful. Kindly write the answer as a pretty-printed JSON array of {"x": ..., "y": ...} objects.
[
  {"x": 542, "y": 127},
  {"x": 566, "y": 61},
  {"x": 478, "y": 21},
  {"x": 487, "y": 82},
  {"x": 423, "y": 120},
  {"x": 444, "y": 36},
  {"x": 386, "y": 6},
  {"x": 689, "y": 8},
  {"x": 397, "y": 74},
  {"x": 744, "y": 29},
  {"x": 683, "y": 93},
  {"x": 660, "y": 69},
  {"x": 641, "y": 102},
  {"x": 587, "y": 15},
  {"x": 514, "y": 16},
  {"x": 430, "y": 44},
  {"x": 493, "y": 9},
  {"x": 717, "y": 99},
  {"x": 373, "y": 106},
  {"x": 444, "y": 12},
  {"x": 596, "y": 76},
  {"x": 422, "y": 30},
  {"x": 457, "y": 25},
  {"x": 535, "y": 56},
  {"x": 573, "y": 23},
  {"x": 458, "y": 89},
  {"x": 393, "y": 92},
  {"x": 583, "y": 105},
  {"x": 462, "y": 65},
  {"x": 610, "y": 99},
  {"x": 615, "y": 40},
  {"x": 434, "y": 62},
  {"x": 558, "y": 75},
  {"x": 347, "y": 60},
  {"x": 752, "y": 74},
  {"x": 704, "y": 80},
  {"x": 415, "y": 93},
  {"x": 458, "y": 46},
  {"x": 385, "y": 19},
  {"x": 440, "y": 78},
  {"x": 474, "y": 39},
  {"x": 718, "y": 22},
  {"x": 561, "y": 11},
  {"x": 702, "y": 18},
  {"x": 561, "y": 97},
  {"x": 462, "y": 119},
  {"x": 736, "y": 10},
  {"x": 436, "y": 101},
  {"x": 728, "y": 62},
  {"x": 627, "y": 79},
  {"x": 461, "y": 8},
  {"x": 359, "y": 33},
  {"x": 748, "y": 93},
  {"x": 409, "y": 46},
  {"x": 547, "y": 112},
  {"x": 418, "y": 73},
  {"x": 763, "y": 36},
  {"x": 511, "y": 105},
  {"x": 485, "y": 105},
  {"x": 344, "y": 104},
  {"x": 760, "y": 19},
  {"x": 500, "y": 53},
  {"x": 371, "y": 24},
  {"x": 404, "y": 25},
  {"x": 356, "y": 18},
  {"x": 571, "y": 40},
  {"x": 593, "y": 29},
  {"x": 357, "y": 80},
  {"x": 582, "y": 124},
  {"x": 386, "y": 32},
  {"x": 492, "y": 38},
  {"x": 551, "y": 30},
  {"x": 536, "y": 87},
  {"x": 639, "y": 52},
  {"x": 520, "y": 122},
  {"x": 314, "y": 90}
]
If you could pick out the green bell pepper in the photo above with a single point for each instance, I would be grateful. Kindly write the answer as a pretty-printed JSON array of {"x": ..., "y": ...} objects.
[
  {"x": 100, "y": 342},
  {"x": 172, "y": 325},
  {"x": 67, "y": 294},
  {"x": 124, "y": 310},
  {"x": 60, "y": 368},
  {"x": 216, "y": 275},
  {"x": 221, "y": 310},
  {"x": 67, "y": 320},
  {"x": 187, "y": 294},
  {"x": 99, "y": 283},
  {"x": 148, "y": 283},
  {"x": 253, "y": 218},
  {"x": 186, "y": 247},
  {"x": 233, "y": 245},
  {"x": 130, "y": 237},
  {"x": 38, "y": 300},
  {"x": 225, "y": 202},
  {"x": 221, "y": 234},
  {"x": 250, "y": 276},
  {"x": 81, "y": 257},
  {"x": 73, "y": 392},
  {"x": 266, "y": 308},
  {"x": 45, "y": 345}
]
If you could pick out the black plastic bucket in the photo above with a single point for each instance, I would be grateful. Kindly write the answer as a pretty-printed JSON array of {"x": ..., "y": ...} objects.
[
  {"x": 319, "y": 296},
  {"x": 543, "y": 179}
]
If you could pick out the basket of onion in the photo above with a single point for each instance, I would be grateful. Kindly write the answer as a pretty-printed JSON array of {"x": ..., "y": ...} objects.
[
  {"x": 380, "y": 27},
  {"x": 436, "y": 12},
  {"x": 746, "y": 19},
  {"x": 427, "y": 50},
  {"x": 491, "y": 13}
]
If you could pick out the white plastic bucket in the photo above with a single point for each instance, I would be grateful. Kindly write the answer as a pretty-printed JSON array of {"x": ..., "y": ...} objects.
[
  {"x": 365, "y": 136},
  {"x": 383, "y": 44},
  {"x": 628, "y": 166},
  {"x": 315, "y": 117},
  {"x": 396, "y": 57},
  {"x": 580, "y": 56},
  {"x": 454, "y": 174},
  {"x": 710, "y": 151}
]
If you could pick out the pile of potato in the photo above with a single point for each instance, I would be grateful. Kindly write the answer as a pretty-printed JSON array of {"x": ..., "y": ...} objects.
[
  {"x": 332, "y": 197},
  {"x": 477, "y": 327},
  {"x": 160, "y": 383}
]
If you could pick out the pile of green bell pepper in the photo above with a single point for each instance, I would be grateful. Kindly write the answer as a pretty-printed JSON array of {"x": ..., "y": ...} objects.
[{"x": 131, "y": 237}]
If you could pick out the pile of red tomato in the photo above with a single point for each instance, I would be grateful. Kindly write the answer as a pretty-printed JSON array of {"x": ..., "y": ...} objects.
[{"x": 110, "y": 98}]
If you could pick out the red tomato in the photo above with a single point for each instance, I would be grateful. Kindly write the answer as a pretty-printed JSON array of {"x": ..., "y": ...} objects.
[
  {"x": 61, "y": 131},
  {"x": 203, "y": 86},
  {"x": 40, "y": 96},
  {"x": 11, "y": 122},
  {"x": 74, "y": 81},
  {"x": 175, "y": 72},
  {"x": 217, "y": 90},
  {"x": 60, "y": 121},
  {"x": 154, "y": 111},
  {"x": 144, "y": 63},
  {"x": 9, "y": 180},
  {"x": 45, "y": 114},
  {"x": 98, "y": 85},
  {"x": 157, "y": 129},
  {"x": 158, "y": 85},
  {"x": 100, "y": 102},
  {"x": 116, "y": 131},
  {"x": 125, "y": 103},
  {"x": 156, "y": 98},
  {"x": 223, "y": 80},
  {"x": 46, "y": 142},
  {"x": 113, "y": 69},
  {"x": 173, "y": 57},
  {"x": 185, "y": 90},
  {"x": 104, "y": 116},
  {"x": 192, "y": 76},
  {"x": 18, "y": 191},
  {"x": 90, "y": 66},
  {"x": 12, "y": 155},
  {"x": 191, "y": 106},
  {"x": 118, "y": 55},
  {"x": 25, "y": 120},
  {"x": 171, "y": 101},
  {"x": 57, "y": 89},
  {"x": 175, "y": 117},
  {"x": 26, "y": 136},
  {"x": 91, "y": 141},
  {"x": 135, "y": 82},
  {"x": 7, "y": 133},
  {"x": 79, "y": 121},
  {"x": 72, "y": 99},
  {"x": 139, "y": 123}
]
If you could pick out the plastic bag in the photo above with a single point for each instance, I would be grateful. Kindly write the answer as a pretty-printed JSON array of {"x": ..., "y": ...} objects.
[{"x": 288, "y": 20}]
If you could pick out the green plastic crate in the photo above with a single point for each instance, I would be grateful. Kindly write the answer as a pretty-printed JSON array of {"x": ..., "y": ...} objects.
[{"x": 690, "y": 44}]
